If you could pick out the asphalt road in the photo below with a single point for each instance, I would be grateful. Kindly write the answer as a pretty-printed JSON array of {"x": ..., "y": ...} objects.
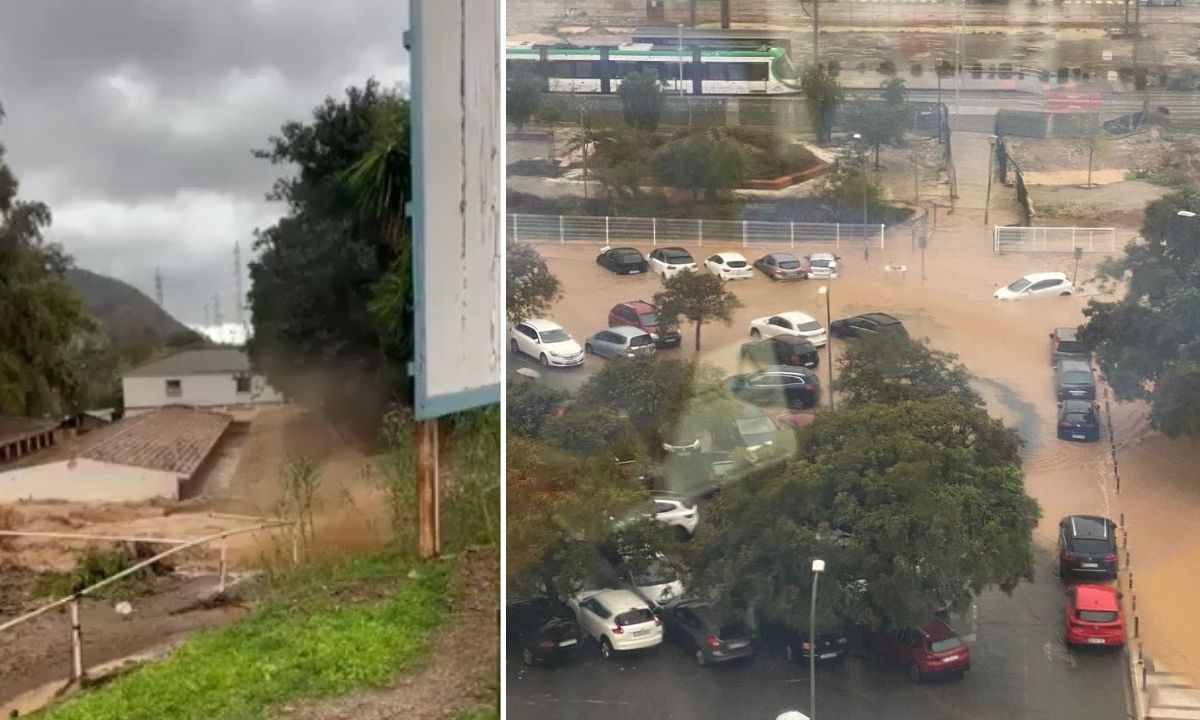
[
  {"x": 565, "y": 379},
  {"x": 1020, "y": 669}
]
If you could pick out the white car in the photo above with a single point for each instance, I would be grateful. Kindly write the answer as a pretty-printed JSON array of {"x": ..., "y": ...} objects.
[
  {"x": 822, "y": 265},
  {"x": 667, "y": 262},
  {"x": 729, "y": 266},
  {"x": 1036, "y": 285},
  {"x": 657, "y": 583},
  {"x": 676, "y": 510},
  {"x": 617, "y": 619},
  {"x": 546, "y": 341},
  {"x": 792, "y": 322}
]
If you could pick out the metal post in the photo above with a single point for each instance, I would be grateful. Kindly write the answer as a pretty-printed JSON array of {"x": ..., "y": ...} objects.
[
  {"x": 792, "y": 233},
  {"x": 812, "y": 650},
  {"x": 295, "y": 546},
  {"x": 744, "y": 240},
  {"x": 701, "y": 243},
  {"x": 561, "y": 235},
  {"x": 881, "y": 238},
  {"x": 606, "y": 241},
  {"x": 680, "y": 59},
  {"x": 516, "y": 235},
  {"x": 654, "y": 231},
  {"x": 816, "y": 37},
  {"x": 224, "y": 567},
  {"x": 76, "y": 643},
  {"x": 837, "y": 237},
  {"x": 829, "y": 339},
  {"x": 428, "y": 534},
  {"x": 987, "y": 206}
]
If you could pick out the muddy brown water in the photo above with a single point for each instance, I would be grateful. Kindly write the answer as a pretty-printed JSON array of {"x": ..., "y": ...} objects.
[{"x": 1006, "y": 346}]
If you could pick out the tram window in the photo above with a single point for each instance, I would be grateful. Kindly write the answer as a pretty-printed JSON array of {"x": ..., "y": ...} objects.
[
  {"x": 583, "y": 69},
  {"x": 560, "y": 68}
]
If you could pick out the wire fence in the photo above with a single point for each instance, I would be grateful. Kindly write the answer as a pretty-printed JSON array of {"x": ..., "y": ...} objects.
[
  {"x": 675, "y": 231},
  {"x": 1054, "y": 239}
]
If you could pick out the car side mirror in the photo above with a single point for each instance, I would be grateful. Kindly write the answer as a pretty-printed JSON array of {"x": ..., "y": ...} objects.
[{"x": 1051, "y": 336}]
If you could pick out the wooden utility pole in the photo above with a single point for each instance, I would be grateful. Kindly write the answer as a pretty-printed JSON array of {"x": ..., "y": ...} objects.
[
  {"x": 429, "y": 536},
  {"x": 725, "y": 18}
]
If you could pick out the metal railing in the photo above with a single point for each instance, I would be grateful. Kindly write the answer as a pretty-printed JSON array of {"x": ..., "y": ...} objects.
[
  {"x": 685, "y": 231},
  {"x": 1054, "y": 239}
]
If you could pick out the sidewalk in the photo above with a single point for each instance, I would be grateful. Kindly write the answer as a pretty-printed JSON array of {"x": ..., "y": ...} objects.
[
  {"x": 1163, "y": 695},
  {"x": 971, "y": 161}
]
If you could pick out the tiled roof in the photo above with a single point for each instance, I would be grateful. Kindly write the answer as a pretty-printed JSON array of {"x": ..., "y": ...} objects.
[
  {"x": 174, "y": 439},
  {"x": 209, "y": 361},
  {"x": 15, "y": 428}
]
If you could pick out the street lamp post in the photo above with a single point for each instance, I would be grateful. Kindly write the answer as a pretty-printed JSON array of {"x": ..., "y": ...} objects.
[
  {"x": 818, "y": 567},
  {"x": 681, "y": 59},
  {"x": 862, "y": 166},
  {"x": 987, "y": 207},
  {"x": 824, "y": 290}
]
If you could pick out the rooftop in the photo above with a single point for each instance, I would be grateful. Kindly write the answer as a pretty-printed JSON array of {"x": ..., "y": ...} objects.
[
  {"x": 208, "y": 361},
  {"x": 17, "y": 428}
]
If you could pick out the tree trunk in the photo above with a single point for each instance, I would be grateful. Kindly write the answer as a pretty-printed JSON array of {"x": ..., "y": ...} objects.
[
  {"x": 697, "y": 336},
  {"x": 1089, "y": 182},
  {"x": 877, "y": 156}
]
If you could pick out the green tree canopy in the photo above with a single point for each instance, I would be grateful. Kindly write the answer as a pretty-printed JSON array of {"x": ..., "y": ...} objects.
[
  {"x": 531, "y": 287},
  {"x": 42, "y": 321},
  {"x": 857, "y": 197},
  {"x": 1148, "y": 343},
  {"x": 642, "y": 99},
  {"x": 915, "y": 506},
  {"x": 524, "y": 96},
  {"x": 697, "y": 297},
  {"x": 704, "y": 163},
  {"x": 822, "y": 96},
  {"x": 882, "y": 123},
  {"x": 530, "y": 406},
  {"x": 890, "y": 367}
]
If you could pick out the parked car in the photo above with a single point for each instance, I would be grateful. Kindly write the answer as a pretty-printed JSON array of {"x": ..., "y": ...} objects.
[
  {"x": 675, "y": 510},
  {"x": 695, "y": 626},
  {"x": 778, "y": 385},
  {"x": 546, "y": 341},
  {"x": 782, "y": 350},
  {"x": 1087, "y": 545},
  {"x": 823, "y": 265},
  {"x": 1078, "y": 420},
  {"x": 618, "y": 620},
  {"x": 1065, "y": 345},
  {"x": 693, "y": 475},
  {"x": 866, "y": 324},
  {"x": 622, "y": 341},
  {"x": 832, "y": 643},
  {"x": 622, "y": 260},
  {"x": 782, "y": 266},
  {"x": 656, "y": 583},
  {"x": 1074, "y": 380},
  {"x": 792, "y": 322},
  {"x": 643, "y": 315},
  {"x": 928, "y": 652},
  {"x": 1093, "y": 616},
  {"x": 676, "y": 440},
  {"x": 794, "y": 420},
  {"x": 544, "y": 631},
  {"x": 752, "y": 430},
  {"x": 668, "y": 261},
  {"x": 729, "y": 266},
  {"x": 1040, "y": 284}
]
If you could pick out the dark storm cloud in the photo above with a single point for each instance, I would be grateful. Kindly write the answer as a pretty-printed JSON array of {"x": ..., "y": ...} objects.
[{"x": 135, "y": 119}]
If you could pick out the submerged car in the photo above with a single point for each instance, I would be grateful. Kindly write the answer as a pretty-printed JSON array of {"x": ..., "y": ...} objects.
[
  {"x": 792, "y": 322},
  {"x": 782, "y": 350},
  {"x": 618, "y": 620},
  {"x": 823, "y": 265},
  {"x": 1078, "y": 420},
  {"x": 622, "y": 260},
  {"x": 782, "y": 266},
  {"x": 729, "y": 266},
  {"x": 546, "y": 341},
  {"x": 866, "y": 324},
  {"x": 641, "y": 314},
  {"x": 1040, "y": 284},
  {"x": 778, "y": 385},
  {"x": 666, "y": 262},
  {"x": 1074, "y": 380},
  {"x": 1065, "y": 345}
]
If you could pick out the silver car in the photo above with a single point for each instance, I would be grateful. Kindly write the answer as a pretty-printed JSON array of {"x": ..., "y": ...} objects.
[{"x": 618, "y": 341}]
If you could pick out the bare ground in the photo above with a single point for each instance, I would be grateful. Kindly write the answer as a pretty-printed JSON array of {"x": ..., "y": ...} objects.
[{"x": 463, "y": 667}]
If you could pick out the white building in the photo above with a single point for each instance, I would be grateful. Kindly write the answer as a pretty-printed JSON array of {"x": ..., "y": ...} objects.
[
  {"x": 212, "y": 378},
  {"x": 158, "y": 454}
]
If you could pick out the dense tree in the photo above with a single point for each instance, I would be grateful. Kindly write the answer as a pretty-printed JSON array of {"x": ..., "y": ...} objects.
[
  {"x": 894, "y": 91},
  {"x": 857, "y": 197},
  {"x": 584, "y": 142},
  {"x": 1148, "y": 343},
  {"x": 41, "y": 318},
  {"x": 699, "y": 298},
  {"x": 530, "y": 406},
  {"x": 642, "y": 99},
  {"x": 915, "y": 506},
  {"x": 531, "y": 288},
  {"x": 524, "y": 96},
  {"x": 881, "y": 123},
  {"x": 322, "y": 271},
  {"x": 888, "y": 368},
  {"x": 822, "y": 96},
  {"x": 704, "y": 163}
]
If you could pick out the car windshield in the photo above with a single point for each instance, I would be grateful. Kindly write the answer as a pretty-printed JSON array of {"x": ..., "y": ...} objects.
[
  {"x": 1019, "y": 285},
  {"x": 945, "y": 644},
  {"x": 678, "y": 258},
  {"x": 808, "y": 326},
  {"x": 640, "y": 341},
  {"x": 789, "y": 264},
  {"x": 736, "y": 263},
  {"x": 554, "y": 336},
  {"x": 820, "y": 262},
  {"x": 636, "y": 616},
  {"x": 649, "y": 319},
  {"x": 1079, "y": 417},
  {"x": 1071, "y": 346},
  {"x": 755, "y": 426},
  {"x": 628, "y": 256},
  {"x": 1077, "y": 377},
  {"x": 1097, "y": 616}
]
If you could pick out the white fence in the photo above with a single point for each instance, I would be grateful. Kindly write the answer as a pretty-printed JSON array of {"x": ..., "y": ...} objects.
[
  {"x": 1054, "y": 239},
  {"x": 676, "y": 231}
]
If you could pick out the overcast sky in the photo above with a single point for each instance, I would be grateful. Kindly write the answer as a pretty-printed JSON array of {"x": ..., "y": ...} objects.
[{"x": 135, "y": 120}]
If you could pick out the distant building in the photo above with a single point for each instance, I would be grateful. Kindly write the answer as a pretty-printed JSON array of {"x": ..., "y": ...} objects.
[
  {"x": 212, "y": 378},
  {"x": 20, "y": 437},
  {"x": 158, "y": 454}
]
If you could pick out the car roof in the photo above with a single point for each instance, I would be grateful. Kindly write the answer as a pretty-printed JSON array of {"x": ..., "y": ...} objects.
[
  {"x": 622, "y": 248},
  {"x": 1067, "y": 333},
  {"x": 640, "y": 306},
  {"x": 879, "y": 318},
  {"x": 1076, "y": 405},
  {"x": 1075, "y": 365},
  {"x": 541, "y": 324},
  {"x": 1088, "y": 526},
  {"x": 1036, "y": 276},
  {"x": 1091, "y": 596},
  {"x": 627, "y": 330},
  {"x": 676, "y": 248},
  {"x": 785, "y": 370},
  {"x": 782, "y": 255},
  {"x": 788, "y": 339},
  {"x": 730, "y": 256},
  {"x": 793, "y": 315},
  {"x": 616, "y": 600}
]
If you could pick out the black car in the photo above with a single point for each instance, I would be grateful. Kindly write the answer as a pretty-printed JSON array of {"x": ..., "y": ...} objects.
[
  {"x": 832, "y": 643},
  {"x": 1087, "y": 545},
  {"x": 622, "y": 260},
  {"x": 1078, "y": 420},
  {"x": 781, "y": 266},
  {"x": 696, "y": 627},
  {"x": 866, "y": 324},
  {"x": 778, "y": 385},
  {"x": 782, "y": 350},
  {"x": 1074, "y": 380},
  {"x": 543, "y": 630}
]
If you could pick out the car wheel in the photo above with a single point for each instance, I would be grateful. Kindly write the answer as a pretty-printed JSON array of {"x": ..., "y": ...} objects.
[
  {"x": 587, "y": 348},
  {"x": 606, "y": 649},
  {"x": 545, "y": 361},
  {"x": 754, "y": 333},
  {"x": 914, "y": 673},
  {"x": 527, "y": 656},
  {"x": 512, "y": 345},
  {"x": 1064, "y": 294},
  {"x": 700, "y": 659}
]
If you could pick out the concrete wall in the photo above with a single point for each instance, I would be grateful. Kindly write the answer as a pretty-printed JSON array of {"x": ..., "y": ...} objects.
[
  {"x": 216, "y": 390},
  {"x": 84, "y": 480}
]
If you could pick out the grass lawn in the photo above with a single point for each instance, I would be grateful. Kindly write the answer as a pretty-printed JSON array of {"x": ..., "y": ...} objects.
[{"x": 322, "y": 631}]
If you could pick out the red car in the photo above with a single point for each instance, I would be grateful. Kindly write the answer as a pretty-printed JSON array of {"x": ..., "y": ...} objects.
[
  {"x": 794, "y": 420},
  {"x": 929, "y": 652},
  {"x": 1094, "y": 616},
  {"x": 644, "y": 316}
]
